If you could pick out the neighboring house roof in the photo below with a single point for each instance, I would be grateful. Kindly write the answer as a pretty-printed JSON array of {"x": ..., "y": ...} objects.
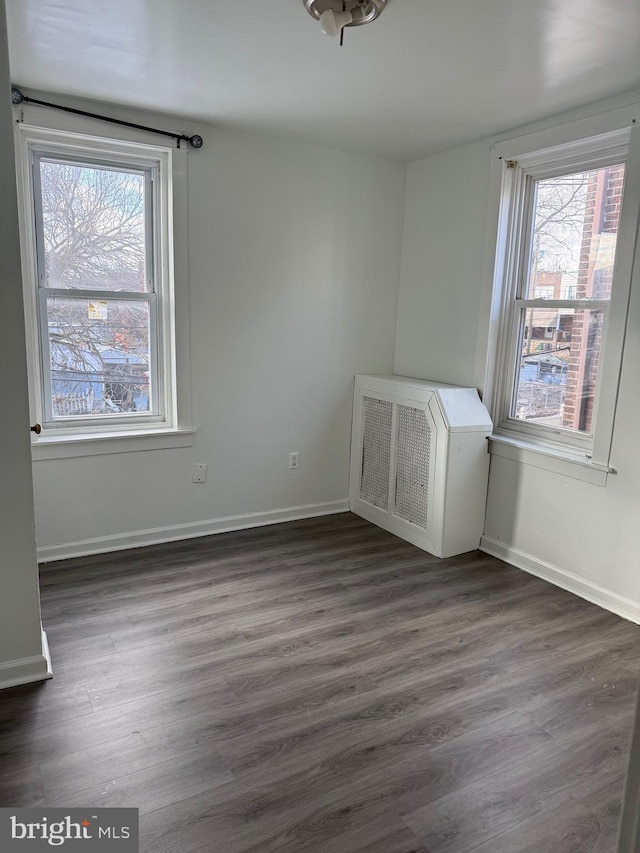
[
  {"x": 115, "y": 356},
  {"x": 545, "y": 358},
  {"x": 68, "y": 358}
]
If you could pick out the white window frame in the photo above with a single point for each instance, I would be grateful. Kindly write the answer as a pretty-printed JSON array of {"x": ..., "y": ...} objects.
[
  {"x": 518, "y": 163},
  {"x": 167, "y": 425}
]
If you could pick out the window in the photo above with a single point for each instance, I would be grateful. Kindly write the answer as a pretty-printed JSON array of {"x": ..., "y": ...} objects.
[
  {"x": 99, "y": 284},
  {"x": 561, "y": 214},
  {"x": 543, "y": 291}
]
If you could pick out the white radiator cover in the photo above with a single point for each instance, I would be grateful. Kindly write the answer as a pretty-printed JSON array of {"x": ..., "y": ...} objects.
[{"x": 420, "y": 461}]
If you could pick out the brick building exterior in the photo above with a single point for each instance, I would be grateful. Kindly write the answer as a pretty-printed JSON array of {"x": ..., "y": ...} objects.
[{"x": 595, "y": 274}]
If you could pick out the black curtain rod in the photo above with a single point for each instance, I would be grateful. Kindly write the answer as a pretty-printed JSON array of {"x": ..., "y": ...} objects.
[{"x": 17, "y": 97}]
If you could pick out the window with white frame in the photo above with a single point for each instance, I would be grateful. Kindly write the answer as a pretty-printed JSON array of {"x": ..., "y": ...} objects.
[
  {"x": 563, "y": 304},
  {"x": 97, "y": 239}
]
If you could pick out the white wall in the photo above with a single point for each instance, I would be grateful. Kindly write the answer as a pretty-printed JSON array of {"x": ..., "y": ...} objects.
[
  {"x": 580, "y": 535},
  {"x": 294, "y": 258},
  {"x": 443, "y": 242},
  {"x": 21, "y": 640}
]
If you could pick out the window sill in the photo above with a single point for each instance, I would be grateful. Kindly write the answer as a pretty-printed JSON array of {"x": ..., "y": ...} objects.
[
  {"x": 550, "y": 459},
  {"x": 99, "y": 444}
]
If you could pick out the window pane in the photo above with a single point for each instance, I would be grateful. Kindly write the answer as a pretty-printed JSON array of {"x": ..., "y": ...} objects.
[
  {"x": 93, "y": 224},
  {"x": 99, "y": 357},
  {"x": 556, "y": 380},
  {"x": 575, "y": 228}
]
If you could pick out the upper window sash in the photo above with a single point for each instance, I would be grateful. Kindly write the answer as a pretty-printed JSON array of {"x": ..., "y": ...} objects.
[{"x": 149, "y": 173}]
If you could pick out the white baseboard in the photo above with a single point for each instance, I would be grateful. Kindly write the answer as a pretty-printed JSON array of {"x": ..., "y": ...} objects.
[
  {"x": 27, "y": 670},
  {"x": 190, "y": 530},
  {"x": 618, "y": 604}
]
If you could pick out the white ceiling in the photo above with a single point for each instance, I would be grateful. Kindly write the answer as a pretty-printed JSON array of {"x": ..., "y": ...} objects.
[{"x": 429, "y": 74}]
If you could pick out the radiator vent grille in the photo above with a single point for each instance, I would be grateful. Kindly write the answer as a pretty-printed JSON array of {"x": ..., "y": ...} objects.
[
  {"x": 412, "y": 477},
  {"x": 419, "y": 461},
  {"x": 376, "y": 451}
]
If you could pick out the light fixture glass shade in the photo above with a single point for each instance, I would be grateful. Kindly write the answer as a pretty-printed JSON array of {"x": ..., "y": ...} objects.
[
  {"x": 363, "y": 11},
  {"x": 332, "y": 22}
]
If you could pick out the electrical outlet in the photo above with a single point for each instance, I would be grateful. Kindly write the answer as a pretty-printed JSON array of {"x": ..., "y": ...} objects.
[
  {"x": 199, "y": 472},
  {"x": 294, "y": 460}
]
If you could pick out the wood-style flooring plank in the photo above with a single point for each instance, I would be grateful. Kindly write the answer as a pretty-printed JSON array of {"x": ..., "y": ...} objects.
[
  {"x": 565, "y": 827},
  {"x": 486, "y": 807},
  {"x": 321, "y": 686},
  {"x": 154, "y": 786}
]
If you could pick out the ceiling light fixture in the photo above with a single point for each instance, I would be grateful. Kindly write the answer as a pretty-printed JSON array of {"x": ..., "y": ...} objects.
[{"x": 335, "y": 15}]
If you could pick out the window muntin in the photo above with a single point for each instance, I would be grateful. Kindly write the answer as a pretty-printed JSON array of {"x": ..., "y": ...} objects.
[
  {"x": 561, "y": 291},
  {"x": 102, "y": 280}
]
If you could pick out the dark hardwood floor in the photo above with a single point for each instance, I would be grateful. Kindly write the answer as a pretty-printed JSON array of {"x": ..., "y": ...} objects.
[{"x": 323, "y": 686}]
